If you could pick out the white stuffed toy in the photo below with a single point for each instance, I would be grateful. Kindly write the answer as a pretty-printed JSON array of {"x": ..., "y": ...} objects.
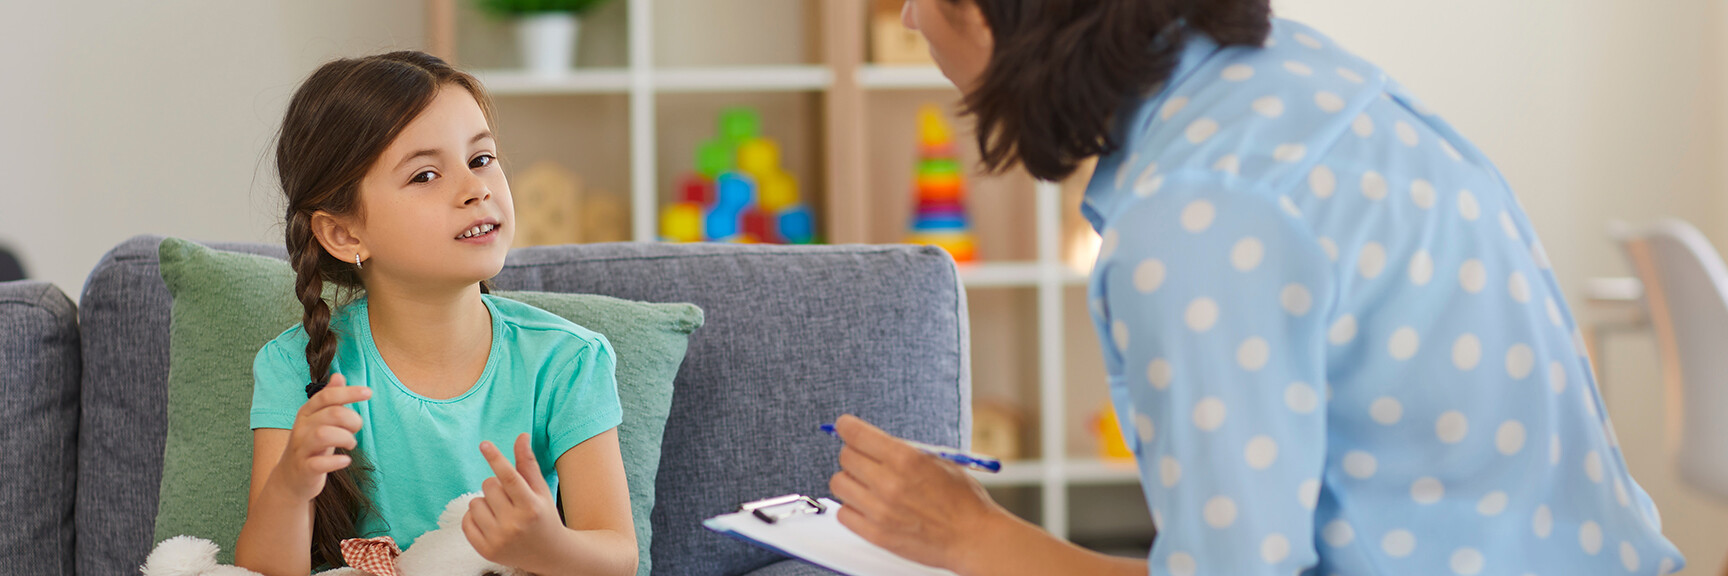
[{"x": 444, "y": 551}]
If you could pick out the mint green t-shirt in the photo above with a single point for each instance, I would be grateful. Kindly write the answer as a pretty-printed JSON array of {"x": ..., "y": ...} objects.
[{"x": 544, "y": 375}]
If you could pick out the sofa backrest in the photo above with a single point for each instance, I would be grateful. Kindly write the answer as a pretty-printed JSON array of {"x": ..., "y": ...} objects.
[
  {"x": 38, "y": 427},
  {"x": 795, "y": 336}
]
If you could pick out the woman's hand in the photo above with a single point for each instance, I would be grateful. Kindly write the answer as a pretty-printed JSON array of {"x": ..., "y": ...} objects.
[
  {"x": 516, "y": 522},
  {"x": 323, "y": 424},
  {"x": 910, "y": 503}
]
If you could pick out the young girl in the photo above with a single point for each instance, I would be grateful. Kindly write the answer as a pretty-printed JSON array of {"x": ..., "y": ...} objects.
[{"x": 389, "y": 165}]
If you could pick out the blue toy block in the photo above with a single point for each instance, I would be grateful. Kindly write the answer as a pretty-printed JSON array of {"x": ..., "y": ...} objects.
[
  {"x": 735, "y": 190},
  {"x": 797, "y": 225}
]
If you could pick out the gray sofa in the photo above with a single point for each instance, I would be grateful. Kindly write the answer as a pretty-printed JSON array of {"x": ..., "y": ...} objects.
[{"x": 795, "y": 336}]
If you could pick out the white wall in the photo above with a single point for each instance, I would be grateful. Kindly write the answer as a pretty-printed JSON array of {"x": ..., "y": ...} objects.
[
  {"x": 120, "y": 118},
  {"x": 1593, "y": 110}
]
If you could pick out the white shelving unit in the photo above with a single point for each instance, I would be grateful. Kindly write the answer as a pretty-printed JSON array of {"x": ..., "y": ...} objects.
[{"x": 642, "y": 82}]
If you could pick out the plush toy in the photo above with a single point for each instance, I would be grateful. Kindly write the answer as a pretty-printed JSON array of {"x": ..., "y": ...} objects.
[{"x": 444, "y": 551}]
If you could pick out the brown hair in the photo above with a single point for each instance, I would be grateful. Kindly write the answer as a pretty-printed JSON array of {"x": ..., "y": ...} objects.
[
  {"x": 1061, "y": 70},
  {"x": 338, "y": 124}
]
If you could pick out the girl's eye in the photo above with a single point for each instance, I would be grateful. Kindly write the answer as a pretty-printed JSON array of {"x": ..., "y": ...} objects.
[
  {"x": 482, "y": 161},
  {"x": 424, "y": 177}
]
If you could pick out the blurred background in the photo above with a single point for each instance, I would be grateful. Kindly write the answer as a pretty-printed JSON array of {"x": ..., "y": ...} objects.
[{"x": 121, "y": 118}]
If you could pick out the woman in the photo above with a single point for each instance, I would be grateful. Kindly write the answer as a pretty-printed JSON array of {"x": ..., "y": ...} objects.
[{"x": 1332, "y": 336}]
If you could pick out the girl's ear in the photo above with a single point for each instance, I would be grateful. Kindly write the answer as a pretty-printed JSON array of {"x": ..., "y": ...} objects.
[{"x": 338, "y": 236}]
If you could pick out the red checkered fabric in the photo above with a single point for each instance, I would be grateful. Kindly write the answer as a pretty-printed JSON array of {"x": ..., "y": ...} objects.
[{"x": 376, "y": 556}]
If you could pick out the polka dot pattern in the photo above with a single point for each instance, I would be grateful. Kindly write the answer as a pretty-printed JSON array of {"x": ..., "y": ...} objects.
[
  {"x": 1338, "y": 534},
  {"x": 1424, "y": 331},
  {"x": 1149, "y": 275},
  {"x": 1492, "y": 504},
  {"x": 1159, "y": 373},
  {"x": 1220, "y": 512},
  {"x": 1201, "y": 130},
  {"x": 1262, "y": 452},
  {"x": 1398, "y": 543},
  {"x": 1422, "y": 194},
  {"x": 1372, "y": 261},
  {"x": 1269, "y": 106},
  {"x": 1323, "y": 182},
  {"x": 1173, "y": 106},
  {"x": 1247, "y": 254},
  {"x": 1209, "y": 414},
  {"x": 1386, "y": 410},
  {"x": 1452, "y": 427},
  {"x": 1197, "y": 216},
  {"x": 1373, "y": 185},
  {"x": 1301, "y": 398},
  {"x": 1421, "y": 268}
]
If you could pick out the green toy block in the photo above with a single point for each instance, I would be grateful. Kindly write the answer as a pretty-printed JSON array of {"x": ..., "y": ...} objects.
[
  {"x": 715, "y": 157},
  {"x": 740, "y": 124}
]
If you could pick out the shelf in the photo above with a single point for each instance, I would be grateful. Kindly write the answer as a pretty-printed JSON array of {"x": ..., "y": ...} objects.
[
  {"x": 617, "y": 80},
  {"x": 744, "y": 79},
  {"x": 1011, "y": 274},
  {"x": 879, "y": 77},
  {"x": 522, "y": 83},
  {"x": 1079, "y": 471}
]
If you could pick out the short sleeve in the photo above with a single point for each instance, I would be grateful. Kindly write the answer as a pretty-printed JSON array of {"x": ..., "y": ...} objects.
[
  {"x": 279, "y": 378},
  {"x": 583, "y": 399},
  {"x": 1215, "y": 302}
]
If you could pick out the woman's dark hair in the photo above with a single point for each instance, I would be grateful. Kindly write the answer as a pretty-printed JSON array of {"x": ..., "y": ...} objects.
[
  {"x": 338, "y": 124},
  {"x": 1062, "y": 69}
]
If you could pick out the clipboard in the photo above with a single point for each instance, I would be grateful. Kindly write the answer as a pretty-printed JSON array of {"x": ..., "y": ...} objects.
[{"x": 809, "y": 529}]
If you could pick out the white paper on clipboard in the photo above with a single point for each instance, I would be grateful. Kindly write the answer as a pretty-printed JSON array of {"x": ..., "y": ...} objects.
[{"x": 818, "y": 538}]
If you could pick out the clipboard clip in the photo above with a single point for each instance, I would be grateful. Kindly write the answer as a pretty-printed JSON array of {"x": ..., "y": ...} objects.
[{"x": 780, "y": 508}]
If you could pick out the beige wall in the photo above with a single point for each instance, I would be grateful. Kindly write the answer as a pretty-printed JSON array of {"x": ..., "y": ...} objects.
[
  {"x": 1594, "y": 110},
  {"x": 120, "y": 118}
]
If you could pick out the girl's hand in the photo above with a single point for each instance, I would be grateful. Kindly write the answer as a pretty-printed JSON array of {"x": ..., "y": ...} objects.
[
  {"x": 516, "y": 521},
  {"x": 908, "y": 502},
  {"x": 323, "y": 424}
]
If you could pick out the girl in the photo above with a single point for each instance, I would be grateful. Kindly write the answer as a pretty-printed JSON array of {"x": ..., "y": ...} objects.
[
  {"x": 1333, "y": 338},
  {"x": 391, "y": 173}
]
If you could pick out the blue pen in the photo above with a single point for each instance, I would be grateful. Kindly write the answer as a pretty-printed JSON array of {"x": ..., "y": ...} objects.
[{"x": 971, "y": 460}]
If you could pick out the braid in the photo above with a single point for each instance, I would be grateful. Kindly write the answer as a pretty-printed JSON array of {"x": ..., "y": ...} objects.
[
  {"x": 337, "y": 508},
  {"x": 307, "y": 260}
]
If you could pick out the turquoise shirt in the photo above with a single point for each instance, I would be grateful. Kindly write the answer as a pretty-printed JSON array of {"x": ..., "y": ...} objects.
[
  {"x": 544, "y": 376},
  {"x": 1334, "y": 341}
]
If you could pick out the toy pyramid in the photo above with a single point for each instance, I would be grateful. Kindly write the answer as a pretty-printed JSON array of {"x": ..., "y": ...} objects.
[
  {"x": 739, "y": 192},
  {"x": 940, "y": 217}
]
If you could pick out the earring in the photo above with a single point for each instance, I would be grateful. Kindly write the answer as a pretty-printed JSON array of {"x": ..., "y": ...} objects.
[{"x": 357, "y": 263}]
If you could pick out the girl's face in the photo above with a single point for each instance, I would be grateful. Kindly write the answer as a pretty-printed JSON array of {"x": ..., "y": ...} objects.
[
  {"x": 435, "y": 184},
  {"x": 959, "y": 39}
]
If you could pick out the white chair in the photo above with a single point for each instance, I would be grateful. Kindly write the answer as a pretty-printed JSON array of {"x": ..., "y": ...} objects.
[{"x": 1686, "y": 296}]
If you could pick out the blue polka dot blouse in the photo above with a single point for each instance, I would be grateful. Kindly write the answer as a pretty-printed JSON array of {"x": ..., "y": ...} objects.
[{"x": 1333, "y": 339}]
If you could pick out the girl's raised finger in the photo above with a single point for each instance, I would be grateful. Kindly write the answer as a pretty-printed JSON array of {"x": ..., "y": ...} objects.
[
  {"x": 528, "y": 466},
  {"x": 511, "y": 484}
]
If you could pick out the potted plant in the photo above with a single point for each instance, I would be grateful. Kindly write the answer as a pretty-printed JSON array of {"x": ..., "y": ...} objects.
[{"x": 545, "y": 30}]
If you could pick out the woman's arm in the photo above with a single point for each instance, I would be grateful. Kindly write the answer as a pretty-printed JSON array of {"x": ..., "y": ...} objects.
[
  {"x": 516, "y": 522},
  {"x": 288, "y": 470},
  {"x": 930, "y": 511}
]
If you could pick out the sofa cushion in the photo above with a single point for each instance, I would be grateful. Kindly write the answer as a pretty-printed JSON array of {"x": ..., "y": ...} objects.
[
  {"x": 794, "y": 336},
  {"x": 228, "y": 304},
  {"x": 38, "y": 426}
]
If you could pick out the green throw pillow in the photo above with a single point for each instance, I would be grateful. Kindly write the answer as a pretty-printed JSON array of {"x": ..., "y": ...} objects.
[{"x": 228, "y": 304}]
